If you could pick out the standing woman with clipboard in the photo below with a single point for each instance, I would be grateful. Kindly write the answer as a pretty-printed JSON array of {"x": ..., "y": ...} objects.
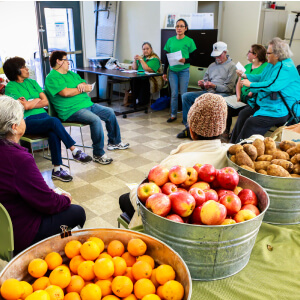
[{"x": 179, "y": 73}]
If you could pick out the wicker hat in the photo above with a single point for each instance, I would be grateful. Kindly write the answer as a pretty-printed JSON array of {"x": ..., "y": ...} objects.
[{"x": 207, "y": 116}]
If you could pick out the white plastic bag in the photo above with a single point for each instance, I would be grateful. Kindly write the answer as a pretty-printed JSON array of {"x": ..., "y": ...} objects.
[{"x": 113, "y": 63}]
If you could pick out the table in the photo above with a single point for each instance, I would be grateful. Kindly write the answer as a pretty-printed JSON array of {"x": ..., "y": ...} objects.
[{"x": 117, "y": 74}]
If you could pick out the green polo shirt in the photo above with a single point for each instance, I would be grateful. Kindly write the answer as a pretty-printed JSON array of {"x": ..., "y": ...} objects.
[
  {"x": 65, "y": 106},
  {"x": 186, "y": 45},
  {"x": 152, "y": 63},
  {"x": 29, "y": 89}
]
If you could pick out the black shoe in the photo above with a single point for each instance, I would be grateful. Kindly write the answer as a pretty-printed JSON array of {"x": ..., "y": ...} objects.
[
  {"x": 170, "y": 120},
  {"x": 184, "y": 134}
]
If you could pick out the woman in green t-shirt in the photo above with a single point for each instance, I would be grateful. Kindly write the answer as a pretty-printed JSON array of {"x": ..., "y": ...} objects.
[
  {"x": 179, "y": 73},
  {"x": 31, "y": 96},
  {"x": 257, "y": 57},
  {"x": 148, "y": 62}
]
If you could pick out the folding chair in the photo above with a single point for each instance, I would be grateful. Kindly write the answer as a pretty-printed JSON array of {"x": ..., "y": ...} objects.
[
  {"x": 6, "y": 235},
  {"x": 124, "y": 220}
]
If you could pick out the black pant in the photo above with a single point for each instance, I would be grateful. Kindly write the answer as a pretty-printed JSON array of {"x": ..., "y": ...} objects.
[
  {"x": 231, "y": 112},
  {"x": 126, "y": 206},
  {"x": 248, "y": 125},
  {"x": 50, "y": 225},
  {"x": 141, "y": 90}
]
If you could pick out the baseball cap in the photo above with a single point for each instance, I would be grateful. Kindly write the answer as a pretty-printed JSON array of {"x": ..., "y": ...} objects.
[{"x": 218, "y": 48}]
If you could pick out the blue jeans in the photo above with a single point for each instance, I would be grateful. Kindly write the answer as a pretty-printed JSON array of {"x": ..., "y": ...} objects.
[
  {"x": 44, "y": 124},
  {"x": 188, "y": 100},
  {"x": 92, "y": 116},
  {"x": 183, "y": 78}
]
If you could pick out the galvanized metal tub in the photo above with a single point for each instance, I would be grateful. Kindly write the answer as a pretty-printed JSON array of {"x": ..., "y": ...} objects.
[
  {"x": 162, "y": 254},
  {"x": 210, "y": 252},
  {"x": 284, "y": 196}
]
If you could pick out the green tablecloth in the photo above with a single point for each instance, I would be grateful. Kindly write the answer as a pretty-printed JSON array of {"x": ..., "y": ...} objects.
[{"x": 268, "y": 275}]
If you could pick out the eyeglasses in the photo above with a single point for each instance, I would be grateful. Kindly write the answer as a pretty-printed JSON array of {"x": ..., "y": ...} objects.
[
  {"x": 251, "y": 52},
  {"x": 268, "y": 53},
  {"x": 65, "y": 59},
  {"x": 180, "y": 26}
]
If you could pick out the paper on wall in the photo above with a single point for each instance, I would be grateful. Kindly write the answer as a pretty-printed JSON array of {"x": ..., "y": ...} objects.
[
  {"x": 174, "y": 57},
  {"x": 240, "y": 67}
]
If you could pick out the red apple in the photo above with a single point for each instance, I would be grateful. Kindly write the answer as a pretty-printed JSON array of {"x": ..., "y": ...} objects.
[
  {"x": 196, "y": 217},
  {"x": 237, "y": 190},
  {"x": 159, "y": 175},
  {"x": 211, "y": 195},
  {"x": 201, "y": 185},
  {"x": 159, "y": 203},
  {"x": 244, "y": 215},
  {"x": 175, "y": 218},
  {"x": 178, "y": 174},
  {"x": 215, "y": 184},
  {"x": 147, "y": 189},
  {"x": 228, "y": 222},
  {"x": 183, "y": 204},
  {"x": 228, "y": 178},
  {"x": 199, "y": 195},
  {"x": 213, "y": 213},
  {"x": 222, "y": 192},
  {"x": 197, "y": 167},
  {"x": 192, "y": 177},
  {"x": 181, "y": 190},
  {"x": 232, "y": 203},
  {"x": 247, "y": 196},
  {"x": 169, "y": 188},
  {"x": 251, "y": 207},
  {"x": 207, "y": 173}
]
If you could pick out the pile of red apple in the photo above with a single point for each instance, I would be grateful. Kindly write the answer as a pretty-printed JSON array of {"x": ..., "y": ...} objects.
[{"x": 200, "y": 195}]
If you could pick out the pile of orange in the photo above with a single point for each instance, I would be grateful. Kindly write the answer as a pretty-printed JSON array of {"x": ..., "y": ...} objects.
[{"x": 92, "y": 274}]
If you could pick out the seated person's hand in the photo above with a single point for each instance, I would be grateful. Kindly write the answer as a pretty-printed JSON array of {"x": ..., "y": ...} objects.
[
  {"x": 238, "y": 99},
  {"x": 201, "y": 83},
  {"x": 22, "y": 100},
  {"x": 209, "y": 85},
  {"x": 246, "y": 82},
  {"x": 165, "y": 77},
  {"x": 239, "y": 73},
  {"x": 250, "y": 94},
  {"x": 81, "y": 87},
  {"x": 182, "y": 60},
  {"x": 137, "y": 57},
  {"x": 68, "y": 195},
  {"x": 88, "y": 88}
]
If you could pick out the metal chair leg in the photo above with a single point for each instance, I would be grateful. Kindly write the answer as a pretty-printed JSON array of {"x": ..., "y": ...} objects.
[{"x": 82, "y": 139}]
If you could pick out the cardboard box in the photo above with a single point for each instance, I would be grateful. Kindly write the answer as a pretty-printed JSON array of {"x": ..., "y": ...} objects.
[{"x": 291, "y": 133}]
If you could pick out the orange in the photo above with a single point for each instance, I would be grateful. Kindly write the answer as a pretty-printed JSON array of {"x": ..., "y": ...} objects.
[
  {"x": 41, "y": 283},
  {"x": 151, "y": 297},
  {"x": 86, "y": 270},
  {"x": 130, "y": 260},
  {"x": 12, "y": 289},
  {"x": 104, "y": 268},
  {"x": 164, "y": 273},
  {"x": 159, "y": 292},
  {"x": 98, "y": 241},
  {"x": 37, "y": 268},
  {"x": 72, "y": 248},
  {"x": 143, "y": 287},
  {"x": 148, "y": 259},
  {"x": 128, "y": 273},
  {"x": 27, "y": 289},
  {"x": 104, "y": 255},
  {"x": 75, "y": 262},
  {"x": 53, "y": 260},
  {"x": 72, "y": 296},
  {"x": 130, "y": 297},
  {"x": 90, "y": 250},
  {"x": 120, "y": 266},
  {"x": 110, "y": 297},
  {"x": 38, "y": 295},
  {"x": 173, "y": 290},
  {"x": 55, "y": 292},
  {"x": 153, "y": 278},
  {"x": 136, "y": 247},
  {"x": 115, "y": 248},
  {"x": 76, "y": 284},
  {"x": 141, "y": 269},
  {"x": 122, "y": 286},
  {"x": 105, "y": 286},
  {"x": 91, "y": 292},
  {"x": 60, "y": 276}
]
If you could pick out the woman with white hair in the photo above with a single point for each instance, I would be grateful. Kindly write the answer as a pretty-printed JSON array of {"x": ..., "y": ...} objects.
[
  {"x": 280, "y": 75},
  {"x": 36, "y": 211}
]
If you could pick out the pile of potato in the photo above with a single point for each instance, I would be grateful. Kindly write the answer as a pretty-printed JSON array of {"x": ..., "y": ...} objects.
[{"x": 263, "y": 157}]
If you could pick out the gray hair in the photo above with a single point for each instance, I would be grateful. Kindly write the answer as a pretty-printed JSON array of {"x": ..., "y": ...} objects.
[
  {"x": 11, "y": 112},
  {"x": 280, "y": 48}
]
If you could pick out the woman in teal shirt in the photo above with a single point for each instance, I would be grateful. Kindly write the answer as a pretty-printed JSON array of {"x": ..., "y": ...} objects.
[
  {"x": 179, "y": 73},
  {"x": 33, "y": 99}
]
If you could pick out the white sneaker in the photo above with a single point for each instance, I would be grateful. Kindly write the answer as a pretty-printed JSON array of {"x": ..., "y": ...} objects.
[
  {"x": 103, "y": 160},
  {"x": 120, "y": 146}
]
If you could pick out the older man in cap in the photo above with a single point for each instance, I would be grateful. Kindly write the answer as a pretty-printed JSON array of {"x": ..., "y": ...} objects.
[{"x": 219, "y": 78}]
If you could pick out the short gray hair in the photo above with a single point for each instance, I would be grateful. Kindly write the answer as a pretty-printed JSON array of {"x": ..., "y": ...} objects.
[
  {"x": 281, "y": 48},
  {"x": 11, "y": 112}
]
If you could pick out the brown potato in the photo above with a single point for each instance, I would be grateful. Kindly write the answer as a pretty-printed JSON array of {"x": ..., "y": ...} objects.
[
  {"x": 295, "y": 175},
  {"x": 264, "y": 172},
  {"x": 234, "y": 148},
  {"x": 264, "y": 158},
  {"x": 296, "y": 169},
  {"x": 261, "y": 165},
  {"x": 251, "y": 151},
  {"x": 242, "y": 158},
  {"x": 295, "y": 159},
  {"x": 283, "y": 163},
  {"x": 285, "y": 145},
  {"x": 232, "y": 158},
  {"x": 294, "y": 150},
  {"x": 278, "y": 154},
  {"x": 260, "y": 146},
  {"x": 247, "y": 168},
  {"x": 270, "y": 145},
  {"x": 275, "y": 170}
]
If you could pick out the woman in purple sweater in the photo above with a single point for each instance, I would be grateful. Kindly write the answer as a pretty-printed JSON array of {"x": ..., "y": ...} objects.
[{"x": 36, "y": 211}]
